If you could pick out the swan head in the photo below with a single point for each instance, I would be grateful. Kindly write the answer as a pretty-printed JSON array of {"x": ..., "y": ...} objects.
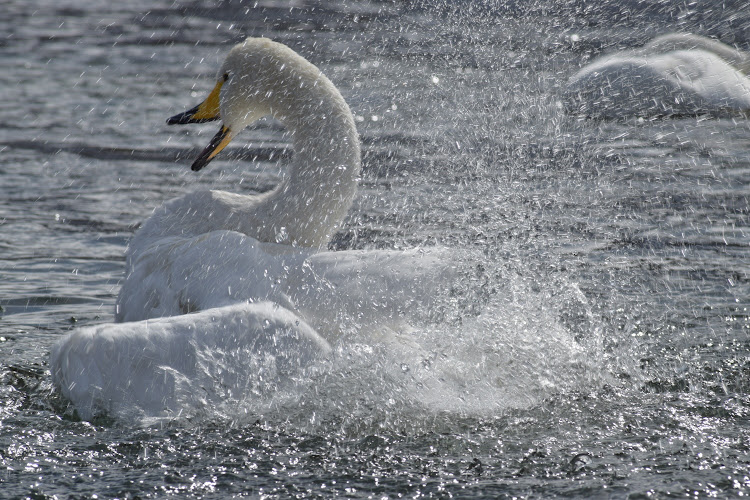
[{"x": 248, "y": 84}]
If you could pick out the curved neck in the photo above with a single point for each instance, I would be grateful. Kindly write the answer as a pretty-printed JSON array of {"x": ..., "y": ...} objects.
[{"x": 310, "y": 203}]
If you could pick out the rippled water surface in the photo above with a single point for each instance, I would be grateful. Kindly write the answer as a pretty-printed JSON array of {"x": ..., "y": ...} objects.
[{"x": 629, "y": 238}]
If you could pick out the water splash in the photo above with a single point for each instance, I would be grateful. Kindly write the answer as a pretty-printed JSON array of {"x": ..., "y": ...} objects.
[{"x": 522, "y": 347}]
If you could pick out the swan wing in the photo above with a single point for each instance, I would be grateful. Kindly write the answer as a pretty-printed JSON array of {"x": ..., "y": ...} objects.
[{"x": 155, "y": 367}]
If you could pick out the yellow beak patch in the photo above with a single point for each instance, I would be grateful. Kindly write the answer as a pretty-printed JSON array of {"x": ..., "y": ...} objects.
[{"x": 207, "y": 111}]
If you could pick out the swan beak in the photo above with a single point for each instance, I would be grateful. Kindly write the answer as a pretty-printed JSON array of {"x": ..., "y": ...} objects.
[
  {"x": 219, "y": 142},
  {"x": 207, "y": 111}
]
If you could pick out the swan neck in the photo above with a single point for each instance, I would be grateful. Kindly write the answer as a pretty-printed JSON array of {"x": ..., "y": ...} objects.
[{"x": 308, "y": 206}]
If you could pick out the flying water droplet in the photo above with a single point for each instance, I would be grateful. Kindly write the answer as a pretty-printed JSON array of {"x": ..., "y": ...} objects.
[{"x": 282, "y": 236}]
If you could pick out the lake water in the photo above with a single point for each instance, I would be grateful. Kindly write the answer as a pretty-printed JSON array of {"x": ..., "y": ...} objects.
[{"x": 630, "y": 237}]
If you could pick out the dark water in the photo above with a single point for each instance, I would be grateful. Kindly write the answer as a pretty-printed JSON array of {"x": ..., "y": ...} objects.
[{"x": 634, "y": 237}]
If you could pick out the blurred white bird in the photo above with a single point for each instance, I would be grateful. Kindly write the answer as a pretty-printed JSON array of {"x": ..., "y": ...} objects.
[{"x": 672, "y": 75}]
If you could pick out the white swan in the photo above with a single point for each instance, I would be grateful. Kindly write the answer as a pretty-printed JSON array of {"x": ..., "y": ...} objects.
[
  {"x": 675, "y": 74},
  {"x": 250, "y": 267},
  {"x": 213, "y": 248}
]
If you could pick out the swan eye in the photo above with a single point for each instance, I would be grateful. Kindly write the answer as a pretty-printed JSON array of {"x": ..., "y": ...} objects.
[{"x": 226, "y": 76}]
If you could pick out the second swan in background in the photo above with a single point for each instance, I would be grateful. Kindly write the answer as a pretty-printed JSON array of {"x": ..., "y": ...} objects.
[{"x": 673, "y": 75}]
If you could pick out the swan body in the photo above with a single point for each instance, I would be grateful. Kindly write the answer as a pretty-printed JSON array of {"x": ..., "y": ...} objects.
[
  {"x": 676, "y": 74},
  {"x": 375, "y": 289},
  {"x": 248, "y": 269}
]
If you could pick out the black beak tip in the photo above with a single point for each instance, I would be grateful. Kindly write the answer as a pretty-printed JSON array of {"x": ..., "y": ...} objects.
[
  {"x": 202, "y": 160},
  {"x": 181, "y": 119},
  {"x": 209, "y": 151},
  {"x": 188, "y": 116}
]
